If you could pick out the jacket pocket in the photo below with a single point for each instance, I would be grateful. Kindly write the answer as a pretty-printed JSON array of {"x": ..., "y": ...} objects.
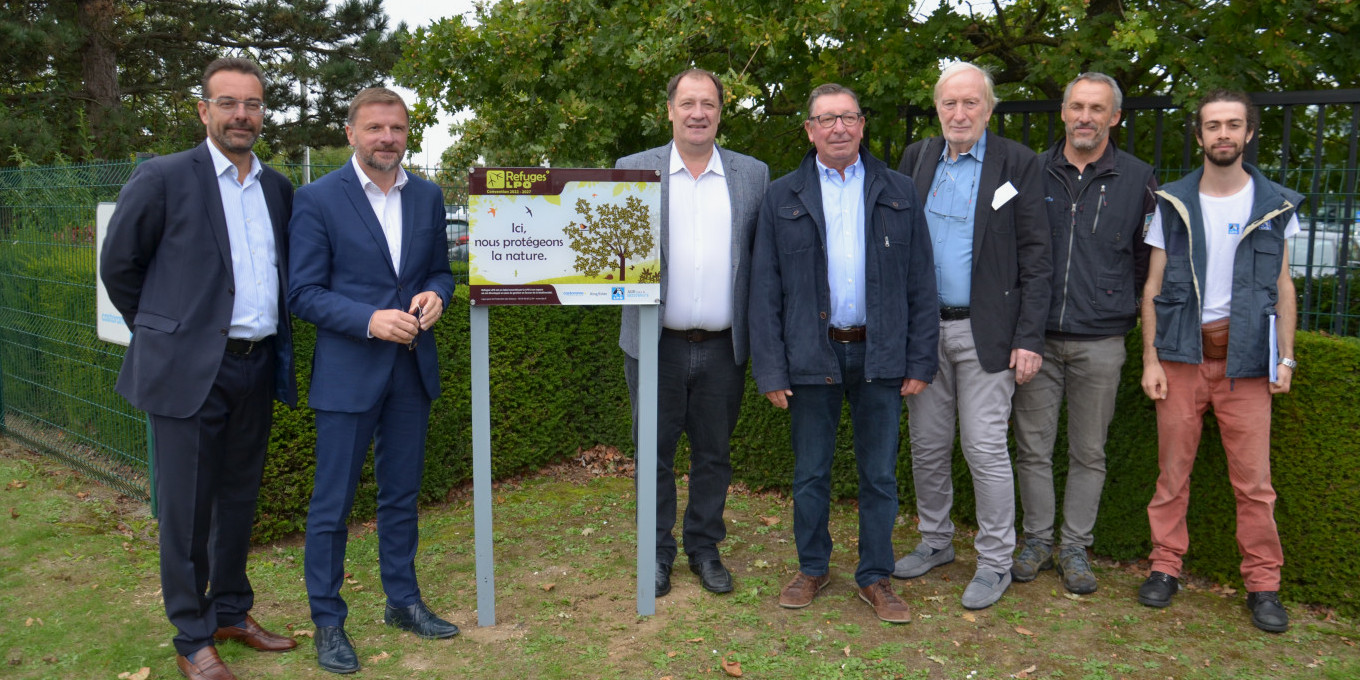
[
  {"x": 796, "y": 229},
  {"x": 1266, "y": 259},
  {"x": 1113, "y": 294},
  {"x": 1170, "y": 310},
  {"x": 156, "y": 322},
  {"x": 891, "y": 221}
]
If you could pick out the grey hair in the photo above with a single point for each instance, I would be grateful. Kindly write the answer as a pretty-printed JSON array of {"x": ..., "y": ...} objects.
[
  {"x": 1096, "y": 77},
  {"x": 959, "y": 67}
]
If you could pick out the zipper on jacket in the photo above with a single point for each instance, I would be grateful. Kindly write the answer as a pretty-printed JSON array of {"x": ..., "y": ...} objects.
[{"x": 1099, "y": 204}]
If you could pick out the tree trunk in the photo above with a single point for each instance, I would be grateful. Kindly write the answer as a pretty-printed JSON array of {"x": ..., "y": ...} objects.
[{"x": 99, "y": 72}]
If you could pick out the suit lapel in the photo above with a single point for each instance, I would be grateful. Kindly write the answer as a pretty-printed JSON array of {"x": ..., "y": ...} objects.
[
  {"x": 212, "y": 197},
  {"x": 354, "y": 190},
  {"x": 737, "y": 184},
  {"x": 662, "y": 164},
  {"x": 987, "y": 185},
  {"x": 927, "y": 162},
  {"x": 408, "y": 224}
]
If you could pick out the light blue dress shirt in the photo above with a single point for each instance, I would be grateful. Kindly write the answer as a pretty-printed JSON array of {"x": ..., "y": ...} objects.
[
  {"x": 254, "y": 259},
  {"x": 950, "y": 209},
  {"x": 843, "y": 208}
]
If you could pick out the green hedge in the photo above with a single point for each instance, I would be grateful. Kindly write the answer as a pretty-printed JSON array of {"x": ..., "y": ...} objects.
[{"x": 557, "y": 385}]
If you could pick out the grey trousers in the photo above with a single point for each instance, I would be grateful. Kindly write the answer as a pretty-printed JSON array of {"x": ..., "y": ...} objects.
[
  {"x": 982, "y": 401},
  {"x": 1087, "y": 373}
]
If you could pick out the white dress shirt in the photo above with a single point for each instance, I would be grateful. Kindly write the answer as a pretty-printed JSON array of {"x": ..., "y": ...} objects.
[
  {"x": 254, "y": 259},
  {"x": 387, "y": 207},
  {"x": 699, "y": 248}
]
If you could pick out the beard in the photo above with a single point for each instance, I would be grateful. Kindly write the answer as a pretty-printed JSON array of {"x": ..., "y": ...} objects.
[
  {"x": 235, "y": 144},
  {"x": 371, "y": 160},
  {"x": 1224, "y": 159},
  {"x": 1084, "y": 143}
]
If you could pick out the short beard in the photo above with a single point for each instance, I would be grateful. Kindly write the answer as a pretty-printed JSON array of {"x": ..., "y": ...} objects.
[
  {"x": 1086, "y": 144},
  {"x": 1223, "y": 162},
  {"x": 371, "y": 160},
  {"x": 224, "y": 141}
]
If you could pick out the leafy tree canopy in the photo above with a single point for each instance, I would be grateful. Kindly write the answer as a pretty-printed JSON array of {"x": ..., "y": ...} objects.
[
  {"x": 104, "y": 78},
  {"x": 581, "y": 82}
]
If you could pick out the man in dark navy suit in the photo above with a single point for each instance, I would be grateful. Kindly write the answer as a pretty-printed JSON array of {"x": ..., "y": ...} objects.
[
  {"x": 196, "y": 262},
  {"x": 372, "y": 272}
]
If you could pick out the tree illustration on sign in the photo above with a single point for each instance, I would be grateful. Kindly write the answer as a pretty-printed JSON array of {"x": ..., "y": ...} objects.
[{"x": 609, "y": 236}]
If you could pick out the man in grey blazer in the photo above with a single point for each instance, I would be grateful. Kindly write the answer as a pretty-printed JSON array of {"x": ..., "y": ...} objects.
[
  {"x": 984, "y": 203},
  {"x": 706, "y": 236}
]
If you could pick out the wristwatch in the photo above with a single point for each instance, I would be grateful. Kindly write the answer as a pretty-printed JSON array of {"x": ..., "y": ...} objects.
[{"x": 1289, "y": 362}]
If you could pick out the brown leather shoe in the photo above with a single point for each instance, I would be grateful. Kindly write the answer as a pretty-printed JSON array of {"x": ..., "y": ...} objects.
[
  {"x": 802, "y": 589},
  {"x": 255, "y": 637},
  {"x": 887, "y": 605},
  {"x": 207, "y": 665}
]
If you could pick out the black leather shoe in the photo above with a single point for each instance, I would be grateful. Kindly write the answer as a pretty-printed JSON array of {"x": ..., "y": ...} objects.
[
  {"x": 1157, "y": 590},
  {"x": 418, "y": 619},
  {"x": 334, "y": 651},
  {"x": 663, "y": 578},
  {"x": 713, "y": 575},
  {"x": 1266, "y": 611}
]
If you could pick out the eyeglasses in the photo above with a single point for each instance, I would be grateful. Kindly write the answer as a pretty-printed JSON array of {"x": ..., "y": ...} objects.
[
  {"x": 254, "y": 107},
  {"x": 850, "y": 120}
]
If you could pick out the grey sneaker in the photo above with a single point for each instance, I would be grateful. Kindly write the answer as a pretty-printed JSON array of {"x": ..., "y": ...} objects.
[
  {"x": 1037, "y": 556},
  {"x": 1075, "y": 570},
  {"x": 985, "y": 588},
  {"x": 923, "y": 559}
]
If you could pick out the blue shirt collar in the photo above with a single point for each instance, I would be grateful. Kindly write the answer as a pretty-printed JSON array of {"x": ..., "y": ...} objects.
[{"x": 979, "y": 150}]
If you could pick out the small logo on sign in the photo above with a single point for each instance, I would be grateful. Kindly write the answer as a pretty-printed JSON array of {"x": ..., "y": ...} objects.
[
  {"x": 616, "y": 293},
  {"x": 495, "y": 179}
]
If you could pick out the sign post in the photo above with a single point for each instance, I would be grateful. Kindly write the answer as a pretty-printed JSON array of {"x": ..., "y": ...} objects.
[{"x": 564, "y": 236}]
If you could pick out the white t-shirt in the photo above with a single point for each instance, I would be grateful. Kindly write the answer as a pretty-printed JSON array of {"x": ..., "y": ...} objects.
[{"x": 1225, "y": 218}]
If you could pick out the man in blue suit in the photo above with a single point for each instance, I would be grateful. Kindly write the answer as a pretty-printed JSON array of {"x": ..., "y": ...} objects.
[
  {"x": 372, "y": 272},
  {"x": 196, "y": 262}
]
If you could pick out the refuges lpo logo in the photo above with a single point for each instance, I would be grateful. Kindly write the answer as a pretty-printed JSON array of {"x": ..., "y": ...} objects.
[{"x": 510, "y": 180}]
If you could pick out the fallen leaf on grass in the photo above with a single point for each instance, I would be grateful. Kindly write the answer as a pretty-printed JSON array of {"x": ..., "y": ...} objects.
[
  {"x": 933, "y": 598},
  {"x": 141, "y": 674},
  {"x": 970, "y": 617},
  {"x": 846, "y": 650},
  {"x": 16, "y": 484},
  {"x": 378, "y": 657},
  {"x": 769, "y": 521},
  {"x": 732, "y": 668},
  {"x": 1072, "y": 596},
  {"x": 936, "y": 659},
  {"x": 698, "y": 639},
  {"x": 82, "y": 495},
  {"x": 1025, "y": 673},
  {"x": 587, "y": 531},
  {"x": 351, "y": 582},
  {"x": 671, "y": 655},
  {"x": 1206, "y": 663},
  {"x": 13, "y": 513},
  {"x": 761, "y": 564},
  {"x": 1023, "y": 630},
  {"x": 30, "y": 621},
  {"x": 547, "y": 587},
  {"x": 303, "y": 633}
]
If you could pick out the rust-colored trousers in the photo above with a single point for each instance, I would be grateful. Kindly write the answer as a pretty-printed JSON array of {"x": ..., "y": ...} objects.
[{"x": 1242, "y": 406}]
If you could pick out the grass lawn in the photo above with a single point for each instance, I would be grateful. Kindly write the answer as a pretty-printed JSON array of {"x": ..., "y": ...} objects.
[{"x": 79, "y": 598}]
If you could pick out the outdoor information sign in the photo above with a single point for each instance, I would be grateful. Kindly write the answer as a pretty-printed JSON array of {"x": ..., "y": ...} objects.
[{"x": 564, "y": 236}]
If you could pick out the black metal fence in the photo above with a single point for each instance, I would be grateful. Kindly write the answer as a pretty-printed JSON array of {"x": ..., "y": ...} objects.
[{"x": 1307, "y": 141}]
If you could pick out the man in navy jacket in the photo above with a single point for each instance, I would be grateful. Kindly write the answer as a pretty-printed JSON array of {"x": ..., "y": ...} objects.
[
  {"x": 843, "y": 306},
  {"x": 372, "y": 273}
]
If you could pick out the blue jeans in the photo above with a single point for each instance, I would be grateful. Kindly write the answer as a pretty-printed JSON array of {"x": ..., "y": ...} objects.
[{"x": 876, "y": 414}]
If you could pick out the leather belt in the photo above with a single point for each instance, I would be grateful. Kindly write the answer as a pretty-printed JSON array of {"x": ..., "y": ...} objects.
[
  {"x": 240, "y": 346},
  {"x": 697, "y": 334},
  {"x": 953, "y": 313},
  {"x": 846, "y": 335}
]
